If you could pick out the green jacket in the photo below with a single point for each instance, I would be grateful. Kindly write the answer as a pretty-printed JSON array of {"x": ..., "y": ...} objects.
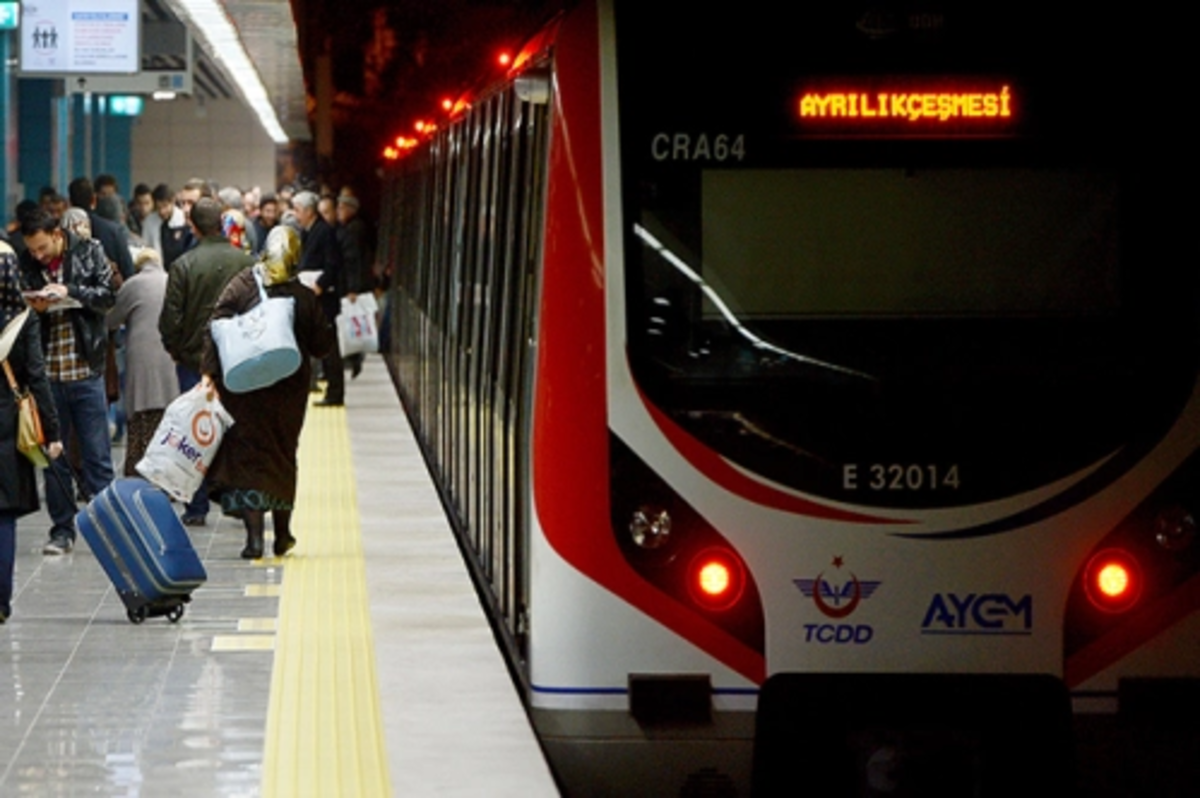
[{"x": 194, "y": 282}]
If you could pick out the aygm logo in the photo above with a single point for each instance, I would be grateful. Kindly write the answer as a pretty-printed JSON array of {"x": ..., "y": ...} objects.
[
  {"x": 978, "y": 614},
  {"x": 837, "y": 598}
]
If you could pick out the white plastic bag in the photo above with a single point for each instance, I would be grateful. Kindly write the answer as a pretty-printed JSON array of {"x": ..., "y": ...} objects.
[
  {"x": 357, "y": 331},
  {"x": 185, "y": 443}
]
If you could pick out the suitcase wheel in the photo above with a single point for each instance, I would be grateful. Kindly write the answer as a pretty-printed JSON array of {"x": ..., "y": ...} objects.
[
  {"x": 138, "y": 615},
  {"x": 175, "y": 613}
]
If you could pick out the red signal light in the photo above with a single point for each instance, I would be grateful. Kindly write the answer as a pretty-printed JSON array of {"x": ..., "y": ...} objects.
[
  {"x": 504, "y": 59},
  {"x": 1113, "y": 580},
  {"x": 716, "y": 579}
]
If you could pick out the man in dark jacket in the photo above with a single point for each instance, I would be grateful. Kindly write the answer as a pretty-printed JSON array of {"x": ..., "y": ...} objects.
[
  {"x": 320, "y": 252},
  {"x": 358, "y": 257},
  {"x": 113, "y": 236},
  {"x": 69, "y": 283},
  {"x": 194, "y": 282}
]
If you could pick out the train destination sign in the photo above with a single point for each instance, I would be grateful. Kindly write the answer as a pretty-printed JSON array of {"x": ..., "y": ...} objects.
[{"x": 908, "y": 108}]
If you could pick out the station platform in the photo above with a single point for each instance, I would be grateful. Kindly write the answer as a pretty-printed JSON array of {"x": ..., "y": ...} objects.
[{"x": 360, "y": 665}]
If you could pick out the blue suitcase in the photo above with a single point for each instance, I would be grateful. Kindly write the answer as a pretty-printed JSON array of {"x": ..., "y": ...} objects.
[{"x": 140, "y": 542}]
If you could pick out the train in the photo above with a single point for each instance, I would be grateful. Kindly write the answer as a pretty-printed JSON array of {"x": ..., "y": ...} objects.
[{"x": 813, "y": 391}]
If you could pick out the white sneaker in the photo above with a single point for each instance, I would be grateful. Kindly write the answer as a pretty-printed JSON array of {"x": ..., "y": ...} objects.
[{"x": 58, "y": 546}]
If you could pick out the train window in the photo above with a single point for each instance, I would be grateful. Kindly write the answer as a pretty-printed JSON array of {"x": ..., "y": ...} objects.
[{"x": 907, "y": 241}]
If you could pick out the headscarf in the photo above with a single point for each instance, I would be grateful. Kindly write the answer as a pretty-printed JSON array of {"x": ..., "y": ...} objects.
[
  {"x": 76, "y": 220},
  {"x": 233, "y": 225},
  {"x": 280, "y": 255}
]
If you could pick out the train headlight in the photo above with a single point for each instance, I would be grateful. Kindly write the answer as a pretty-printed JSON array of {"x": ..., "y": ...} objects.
[
  {"x": 1113, "y": 580},
  {"x": 650, "y": 527},
  {"x": 1175, "y": 528},
  {"x": 716, "y": 579}
]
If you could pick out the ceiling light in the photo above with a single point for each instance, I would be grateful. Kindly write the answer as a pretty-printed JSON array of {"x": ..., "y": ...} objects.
[{"x": 217, "y": 34}]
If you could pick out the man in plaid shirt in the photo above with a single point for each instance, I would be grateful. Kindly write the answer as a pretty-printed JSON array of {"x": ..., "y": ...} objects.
[{"x": 68, "y": 281}]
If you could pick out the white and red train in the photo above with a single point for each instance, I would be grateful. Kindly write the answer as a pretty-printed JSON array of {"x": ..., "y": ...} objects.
[{"x": 769, "y": 344}]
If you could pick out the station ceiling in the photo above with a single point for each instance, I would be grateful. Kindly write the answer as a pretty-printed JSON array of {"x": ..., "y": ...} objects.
[{"x": 268, "y": 33}]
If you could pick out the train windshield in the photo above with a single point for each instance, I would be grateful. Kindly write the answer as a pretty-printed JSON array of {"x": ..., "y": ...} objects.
[
  {"x": 978, "y": 302},
  {"x": 899, "y": 242}
]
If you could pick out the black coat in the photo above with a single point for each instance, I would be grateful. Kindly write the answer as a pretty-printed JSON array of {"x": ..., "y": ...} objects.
[
  {"x": 18, "y": 484},
  {"x": 320, "y": 251},
  {"x": 114, "y": 238},
  {"x": 259, "y": 451},
  {"x": 89, "y": 280}
]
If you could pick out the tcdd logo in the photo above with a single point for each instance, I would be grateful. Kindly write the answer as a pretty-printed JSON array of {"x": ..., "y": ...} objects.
[
  {"x": 978, "y": 614},
  {"x": 837, "y": 600}
]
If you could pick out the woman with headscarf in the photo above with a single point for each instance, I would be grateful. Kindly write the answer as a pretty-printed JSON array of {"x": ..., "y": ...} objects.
[
  {"x": 21, "y": 345},
  {"x": 255, "y": 469}
]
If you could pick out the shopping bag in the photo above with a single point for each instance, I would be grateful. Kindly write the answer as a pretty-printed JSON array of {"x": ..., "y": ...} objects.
[
  {"x": 185, "y": 443},
  {"x": 357, "y": 331},
  {"x": 257, "y": 348}
]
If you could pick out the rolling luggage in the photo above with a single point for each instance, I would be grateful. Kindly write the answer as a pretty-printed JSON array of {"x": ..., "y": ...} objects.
[{"x": 142, "y": 546}]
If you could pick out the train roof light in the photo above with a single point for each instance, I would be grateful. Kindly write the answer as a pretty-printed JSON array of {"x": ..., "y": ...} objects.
[
  {"x": 1113, "y": 581},
  {"x": 716, "y": 579}
]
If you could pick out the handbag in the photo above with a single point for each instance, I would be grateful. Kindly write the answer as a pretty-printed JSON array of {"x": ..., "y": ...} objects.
[
  {"x": 30, "y": 435},
  {"x": 356, "y": 326},
  {"x": 257, "y": 348}
]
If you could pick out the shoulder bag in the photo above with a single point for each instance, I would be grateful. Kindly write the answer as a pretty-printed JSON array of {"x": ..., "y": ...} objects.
[
  {"x": 30, "y": 436},
  {"x": 257, "y": 348}
]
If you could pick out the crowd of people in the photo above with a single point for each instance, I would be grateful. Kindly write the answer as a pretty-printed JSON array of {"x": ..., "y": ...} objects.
[{"x": 117, "y": 300}]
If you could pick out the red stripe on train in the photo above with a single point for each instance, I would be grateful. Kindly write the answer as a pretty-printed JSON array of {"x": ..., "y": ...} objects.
[
  {"x": 570, "y": 430},
  {"x": 717, "y": 469},
  {"x": 1139, "y": 628}
]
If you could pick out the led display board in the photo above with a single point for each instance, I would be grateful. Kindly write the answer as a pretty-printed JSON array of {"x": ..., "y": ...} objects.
[
  {"x": 80, "y": 37},
  {"x": 908, "y": 107}
]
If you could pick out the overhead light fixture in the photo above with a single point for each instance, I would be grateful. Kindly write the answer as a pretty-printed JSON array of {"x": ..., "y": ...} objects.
[
  {"x": 162, "y": 96},
  {"x": 218, "y": 35}
]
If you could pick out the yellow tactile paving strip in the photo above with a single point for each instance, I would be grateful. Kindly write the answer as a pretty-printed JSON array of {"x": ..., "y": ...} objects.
[{"x": 324, "y": 730}]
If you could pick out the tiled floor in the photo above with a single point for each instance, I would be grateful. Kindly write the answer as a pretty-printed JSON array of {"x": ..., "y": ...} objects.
[{"x": 92, "y": 704}]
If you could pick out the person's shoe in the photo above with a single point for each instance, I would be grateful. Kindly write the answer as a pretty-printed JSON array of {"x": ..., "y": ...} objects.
[
  {"x": 329, "y": 403},
  {"x": 254, "y": 547},
  {"x": 356, "y": 367},
  {"x": 57, "y": 546},
  {"x": 194, "y": 520},
  {"x": 283, "y": 544}
]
